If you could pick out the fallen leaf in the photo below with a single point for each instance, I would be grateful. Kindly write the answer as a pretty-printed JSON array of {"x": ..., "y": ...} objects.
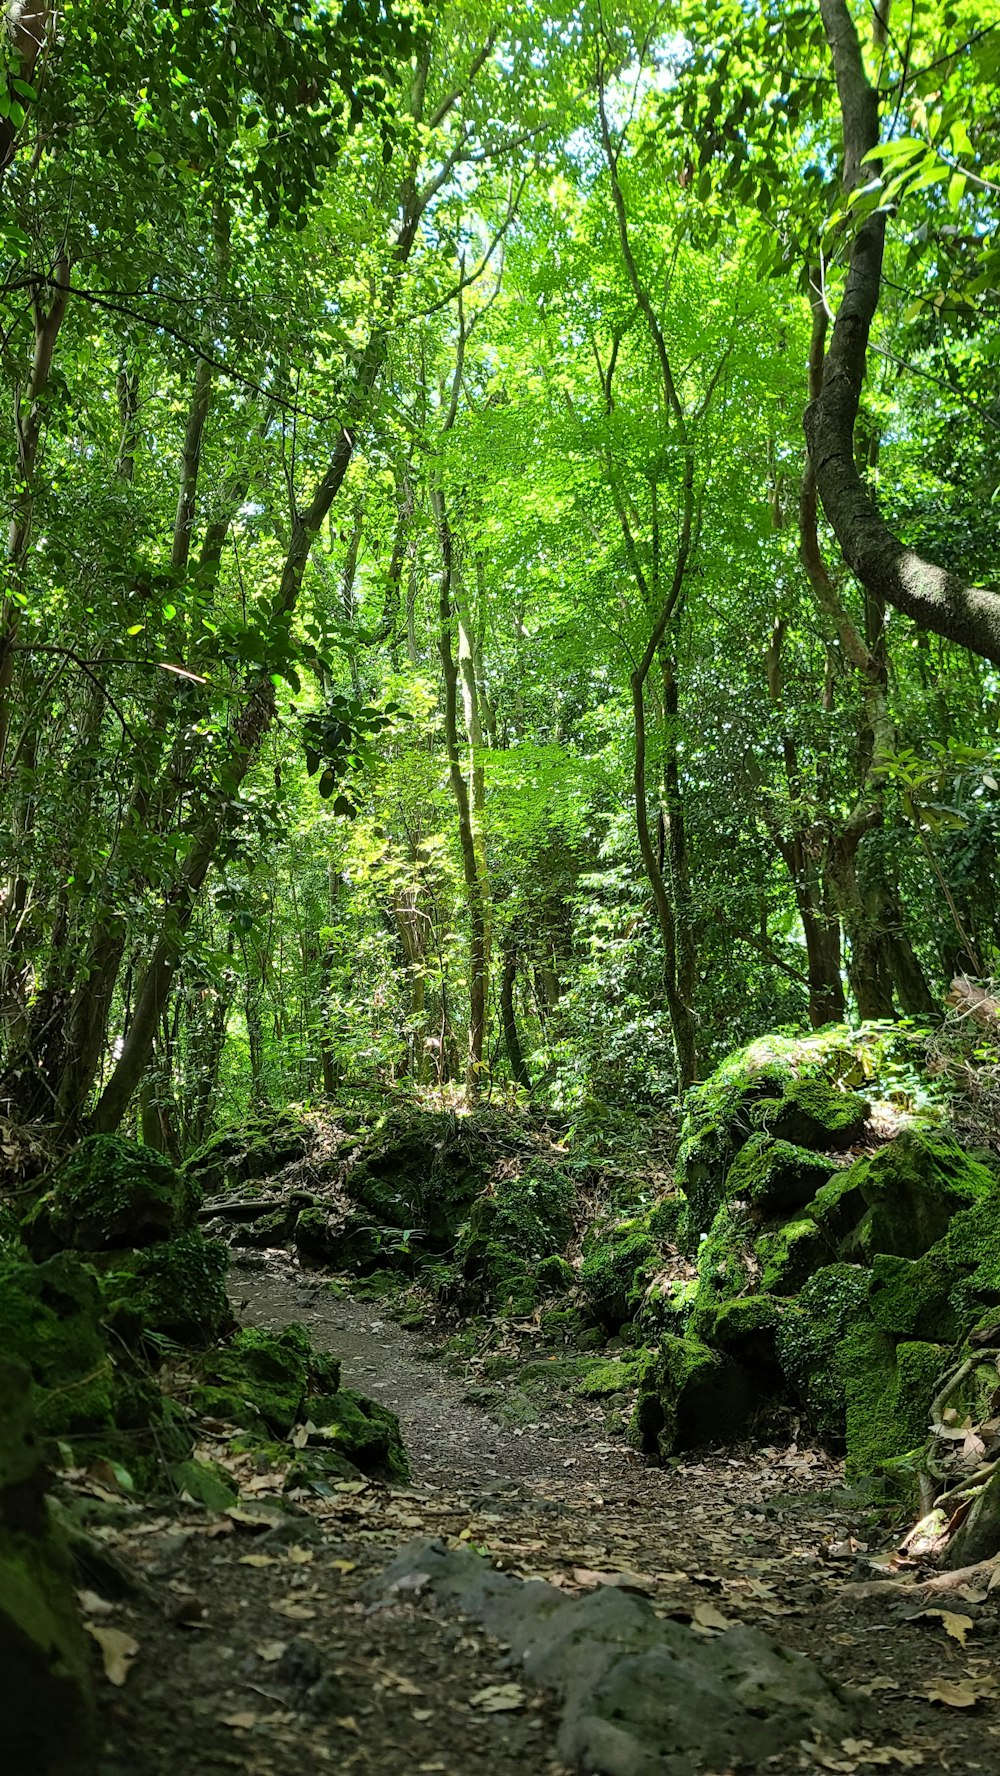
[
  {"x": 93, "y": 1605},
  {"x": 348, "y": 1723},
  {"x": 295, "y": 1612},
  {"x": 956, "y": 1626},
  {"x": 621, "y": 1581},
  {"x": 951, "y": 1694},
  {"x": 239, "y": 1721},
  {"x": 343, "y": 1566},
  {"x": 270, "y": 1650},
  {"x": 257, "y": 1560},
  {"x": 706, "y": 1617},
  {"x": 499, "y": 1698},
  {"x": 118, "y": 1649},
  {"x": 874, "y": 1685},
  {"x": 300, "y": 1556}
]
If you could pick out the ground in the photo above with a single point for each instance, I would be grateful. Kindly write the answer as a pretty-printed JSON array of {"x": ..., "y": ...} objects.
[{"x": 261, "y": 1649}]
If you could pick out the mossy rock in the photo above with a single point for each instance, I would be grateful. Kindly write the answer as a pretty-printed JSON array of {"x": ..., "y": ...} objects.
[
  {"x": 747, "y": 1329},
  {"x": 569, "y": 1325},
  {"x": 109, "y": 1194},
  {"x": 726, "y": 1266},
  {"x": 756, "y": 1091},
  {"x": 422, "y": 1170},
  {"x": 690, "y": 1397},
  {"x": 361, "y": 1431},
  {"x": 666, "y": 1217},
  {"x": 814, "y": 1115},
  {"x": 511, "y": 1245},
  {"x": 788, "y": 1256},
  {"x": 666, "y": 1306},
  {"x": 50, "y": 1320},
  {"x": 912, "y": 1187},
  {"x": 47, "y": 1722},
  {"x": 950, "y": 1287},
  {"x": 839, "y": 1207},
  {"x": 352, "y": 1243},
  {"x": 258, "y": 1378},
  {"x": 616, "y": 1270},
  {"x": 257, "y": 1148},
  {"x": 811, "y": 1333},
  {"x": 775, "y": 1177},
  {"x": 888, "y": 1391},
  {"x": 176, "y": 1290}
]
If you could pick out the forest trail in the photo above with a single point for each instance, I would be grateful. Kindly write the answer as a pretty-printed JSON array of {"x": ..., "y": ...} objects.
[{"x": 261, "y": 1649}]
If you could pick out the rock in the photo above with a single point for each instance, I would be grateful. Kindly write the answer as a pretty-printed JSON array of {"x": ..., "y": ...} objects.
[
  {"x": 775, "y": 1177},
  {"x": 617, "y": 1265},
  {"x": 269, "y": 1382},
  {"x": 812, "y": 1114},
  {"x": 510, "y": 1247},
  {"x": 912, "y": 1187},
  {"x": 47, "y": 1722},
  {"x": 258, "y": 1148},
  {"x": 690, "y": 1397},
  {"x": 755, "y": 1097},
  {"x": 174, "y": 1290},
  {"x": 50, "y": 1320},
  {"x": 641, "y": 1696},
  {"x": 109, "y": 1194}
]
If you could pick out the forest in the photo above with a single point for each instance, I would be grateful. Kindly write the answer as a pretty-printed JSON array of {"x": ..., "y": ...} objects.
[{"x": 499, "y": 886}]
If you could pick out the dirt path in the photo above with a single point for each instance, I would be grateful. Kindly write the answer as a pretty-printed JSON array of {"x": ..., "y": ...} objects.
[{"x": 259, "y": 1650}]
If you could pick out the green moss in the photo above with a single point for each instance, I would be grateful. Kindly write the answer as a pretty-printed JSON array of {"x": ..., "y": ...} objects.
[
  {"x": 107, "y": 1195},
  {"x": 912, "y": 1187},
  {"x": 888, "y": 1393},
  {"x": 510, "y": 1247},
  {"x": 666, "y": 1307},
  {"x": 360, "y": 1430},
  {"x": 616, "y": 1269},
  {"x": 555, "y": 1275},
  {"x": 567, "y": 1325},
  {"x": 810, "y": 1336},
  {"x": 788, "y": 1256},
  {"x": 726, "y": 1266},
  {"x": 747, "y": 1328},
  {"x": 174, "y": 1290},
  {"x": 838, "y": 1208},
  {"x": 50, "y": 1321},
  {"x": 665, "y": 1219},
  {"x": 601, "y": 1379},
  {"x": 689, "y": 1396},
  {"x": 812, "y": 1114},
  {"x": 260, "y": 1377},
  {"x": 257, "y": 1148},
  {"x": 910, "y": 1295},
  {"x": 775, "y": 1177}
]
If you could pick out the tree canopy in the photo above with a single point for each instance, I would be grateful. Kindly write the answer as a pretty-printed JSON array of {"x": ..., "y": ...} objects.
[{"x": 501, "y": 585}]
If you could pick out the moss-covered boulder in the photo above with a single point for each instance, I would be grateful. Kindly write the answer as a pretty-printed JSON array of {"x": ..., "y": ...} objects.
[
  {"x": 691, "y": 1397},
  {"x": 911, "y": 1189},
  {"x": 788, "y": 1256},
  {"x": 257, "y": 1148},
  {"x": 810, "y": 1340},
  {"x": 812, "y": 1114},
  {"x": 888, "y": 1389},
  {"x": 510, "y": 1247},
  {"x": 775, "y": 1177},
  {"x": 107, "y": 1195},
  {"x": 47, "y": 1721},
  {"x": 618, "y": 1264},
  {"x": 757, "y": 1092},
  {"x": 422, "y": 1170},
  {"x": 50, "y": 1320},
  {"x": 268, "y": 1383},
  {"x": 174, "y": 1290},
  {"x": 260, "y": 1378}
]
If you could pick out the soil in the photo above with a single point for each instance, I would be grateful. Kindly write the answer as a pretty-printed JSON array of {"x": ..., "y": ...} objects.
[{"x": 258, "y": 1648}]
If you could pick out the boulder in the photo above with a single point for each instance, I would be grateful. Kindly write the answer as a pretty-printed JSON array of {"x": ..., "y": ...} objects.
[
  {"x": 691, "y": 1397},
  {"x": 618, "y": 1263},
  {"x": 107, "y": 1195},
  {"x": 50, "y": 1320},
  {"x": 774, "y": 1177}
]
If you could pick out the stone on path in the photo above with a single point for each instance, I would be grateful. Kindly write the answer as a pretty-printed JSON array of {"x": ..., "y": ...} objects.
[{"x": 641, "y": 1696}]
